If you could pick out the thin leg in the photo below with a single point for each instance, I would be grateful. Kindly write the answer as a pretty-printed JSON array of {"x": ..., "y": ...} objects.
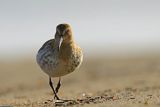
[
  {"x": 58, "y": 85},
  {"x": 51, "y": 85}
]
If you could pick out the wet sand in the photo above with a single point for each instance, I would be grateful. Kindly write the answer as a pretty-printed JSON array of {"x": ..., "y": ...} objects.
[{"x": 100, "y": 81}]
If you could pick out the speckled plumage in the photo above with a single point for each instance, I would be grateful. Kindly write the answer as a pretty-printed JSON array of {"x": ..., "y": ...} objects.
[
  {"x": 58, "y": 58},
  {"x": 59, "y": 62}
]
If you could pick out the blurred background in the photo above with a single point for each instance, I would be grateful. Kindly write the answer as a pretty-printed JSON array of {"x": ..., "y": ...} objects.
[
  {"x": 120, "y": 40},
  {"x": 109, "y": 26}
]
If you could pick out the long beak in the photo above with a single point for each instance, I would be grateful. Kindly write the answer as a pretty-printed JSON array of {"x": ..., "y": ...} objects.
[{"x": 58, "y": 42}]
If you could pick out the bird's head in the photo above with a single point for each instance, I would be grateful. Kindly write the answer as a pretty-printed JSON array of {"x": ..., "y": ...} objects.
[{"x": 63, "y": 34}]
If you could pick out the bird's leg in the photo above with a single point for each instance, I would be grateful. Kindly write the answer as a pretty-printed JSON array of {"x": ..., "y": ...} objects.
[
  {"x": 58, "y": 85},
  {"x": 51, "y": 85}
]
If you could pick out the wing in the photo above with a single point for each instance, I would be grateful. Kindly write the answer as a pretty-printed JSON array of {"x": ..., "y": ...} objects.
[
  {"x": 44, "y": 50},
  {"x": 46, "y": 57},
  {"x": 49, "y": 43}
]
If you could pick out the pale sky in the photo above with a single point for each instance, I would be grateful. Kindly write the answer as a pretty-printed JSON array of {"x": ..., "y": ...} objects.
[{"x": 99, "y": 25}]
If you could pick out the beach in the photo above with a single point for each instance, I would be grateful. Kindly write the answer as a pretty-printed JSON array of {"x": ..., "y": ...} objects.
[{"x": 99, "y": 82}]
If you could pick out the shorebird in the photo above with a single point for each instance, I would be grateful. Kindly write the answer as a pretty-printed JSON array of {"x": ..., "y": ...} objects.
[{"x": 59, "y": 56}]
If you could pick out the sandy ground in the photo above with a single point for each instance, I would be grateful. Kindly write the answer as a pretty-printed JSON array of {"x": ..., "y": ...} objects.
[{"x": 100, "y": 82}]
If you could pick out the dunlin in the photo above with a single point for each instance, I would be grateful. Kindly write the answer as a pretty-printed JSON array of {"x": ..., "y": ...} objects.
[{"x": 59, "y": 56}]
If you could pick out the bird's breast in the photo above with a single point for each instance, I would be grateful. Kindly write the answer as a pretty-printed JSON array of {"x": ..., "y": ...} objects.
[
  {"x": 72, "y": 56},
  {"x": 59, "y": 63}
]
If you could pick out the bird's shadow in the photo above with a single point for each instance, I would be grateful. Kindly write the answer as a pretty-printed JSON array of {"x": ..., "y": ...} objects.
[{"x": 82, "y": 101}]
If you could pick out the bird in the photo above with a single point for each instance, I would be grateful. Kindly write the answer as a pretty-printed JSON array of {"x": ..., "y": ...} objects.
[{"x": 59, "y": 56}]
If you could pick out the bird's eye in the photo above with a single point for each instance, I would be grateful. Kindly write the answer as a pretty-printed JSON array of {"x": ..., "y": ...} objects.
[{"x": 67, "y": 30}]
